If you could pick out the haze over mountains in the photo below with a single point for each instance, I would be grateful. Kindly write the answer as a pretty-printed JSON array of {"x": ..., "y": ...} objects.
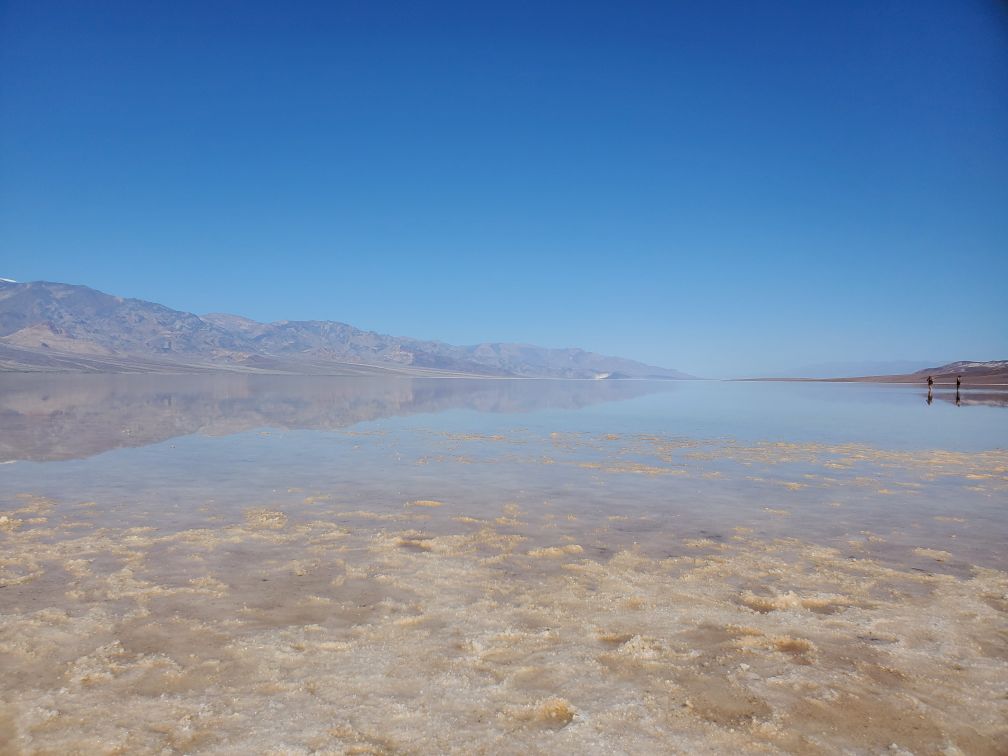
[{"x": 62, "y": 327}]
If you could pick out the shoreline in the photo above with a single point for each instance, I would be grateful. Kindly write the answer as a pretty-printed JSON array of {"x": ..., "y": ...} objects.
[{"x": 879, "y": 380}]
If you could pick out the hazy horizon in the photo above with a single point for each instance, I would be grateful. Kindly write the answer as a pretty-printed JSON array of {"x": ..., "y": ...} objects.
[{"x": 725, "y": 193}]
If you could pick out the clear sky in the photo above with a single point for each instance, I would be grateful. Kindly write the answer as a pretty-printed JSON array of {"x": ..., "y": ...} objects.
[{"x": 727, "y": 188}]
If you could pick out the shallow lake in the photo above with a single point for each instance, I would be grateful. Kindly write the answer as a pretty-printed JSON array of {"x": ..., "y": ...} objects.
[{"x": 397, "y": 564}]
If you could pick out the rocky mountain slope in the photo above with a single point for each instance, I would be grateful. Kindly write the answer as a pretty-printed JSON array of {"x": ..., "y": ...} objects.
[{"x": 61, "y": 327}]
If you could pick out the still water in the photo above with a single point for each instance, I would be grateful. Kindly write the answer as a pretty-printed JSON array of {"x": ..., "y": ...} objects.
[{"x": 309, "y": 564}]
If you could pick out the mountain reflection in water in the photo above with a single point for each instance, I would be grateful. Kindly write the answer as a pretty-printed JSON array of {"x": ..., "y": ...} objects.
[{"x": 63, "y": 417}]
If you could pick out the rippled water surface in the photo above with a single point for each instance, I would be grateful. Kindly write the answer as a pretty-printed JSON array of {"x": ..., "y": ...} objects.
[{"x": 244, "y": 563}]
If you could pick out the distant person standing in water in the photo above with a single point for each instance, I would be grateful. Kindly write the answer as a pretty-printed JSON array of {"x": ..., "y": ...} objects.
[
  {"x": 958, "y": 382},
  {"x": 930, "y": 382}
]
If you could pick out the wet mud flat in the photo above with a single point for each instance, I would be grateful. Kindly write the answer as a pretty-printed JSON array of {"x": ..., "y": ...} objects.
[{"x": 302, "y": 623}]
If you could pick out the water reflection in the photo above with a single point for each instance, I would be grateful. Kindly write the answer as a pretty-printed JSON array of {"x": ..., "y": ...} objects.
[
  {"x": 68, "y": 417},
  {"x": 975, "y": 398},
  {"x": 232, "y": 593}
]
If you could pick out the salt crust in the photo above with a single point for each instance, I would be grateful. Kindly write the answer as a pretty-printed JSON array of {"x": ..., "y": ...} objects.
[
  {"x": 311, "y": 637},
  {"x": 361, "y": 631}
]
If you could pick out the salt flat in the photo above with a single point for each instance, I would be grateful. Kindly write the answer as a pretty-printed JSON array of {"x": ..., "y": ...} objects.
[{"x": 677, "y": 570}]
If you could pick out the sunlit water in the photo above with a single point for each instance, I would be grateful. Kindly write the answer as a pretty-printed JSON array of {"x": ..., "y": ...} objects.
[{"x": 234, "y": 564}]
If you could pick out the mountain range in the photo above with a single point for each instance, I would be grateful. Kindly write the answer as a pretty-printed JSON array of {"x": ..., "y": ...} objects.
[{"x": 60, "y": 327}]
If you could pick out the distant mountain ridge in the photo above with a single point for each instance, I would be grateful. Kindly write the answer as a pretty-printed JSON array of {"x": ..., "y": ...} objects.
[
  {"x": 989, "y": 372},
  {"x": 854, "y": 369},
  {"x": 973, "y": 373},
  {"x": 64, "y": 327}
]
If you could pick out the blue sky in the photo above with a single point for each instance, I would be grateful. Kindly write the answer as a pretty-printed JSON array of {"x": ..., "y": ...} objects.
[{"x": 727, "y": 188}]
